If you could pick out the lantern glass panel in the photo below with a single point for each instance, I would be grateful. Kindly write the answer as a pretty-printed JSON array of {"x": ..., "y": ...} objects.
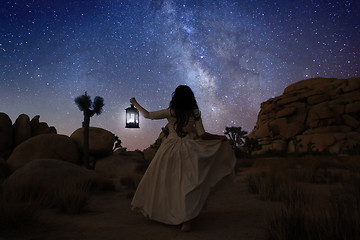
[{"x": 132, "y": 117}]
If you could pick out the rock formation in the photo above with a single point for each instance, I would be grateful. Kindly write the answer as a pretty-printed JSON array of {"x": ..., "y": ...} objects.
[
  {"x": 101, "y": 141},
  {"x": 38, "y": 127},
  {"x": 12, "y": 135},
  {"x": 319, "y": 114},
  {"x": 52, "y": 146},
  {"x": 6, "y": 135},
  {"x": 22, "y": 129}
]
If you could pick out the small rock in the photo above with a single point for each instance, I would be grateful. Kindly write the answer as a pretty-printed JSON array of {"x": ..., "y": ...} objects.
[{"x": 101, "y": 141}]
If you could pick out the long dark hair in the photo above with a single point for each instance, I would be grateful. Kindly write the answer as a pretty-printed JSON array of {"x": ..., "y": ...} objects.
[{"x": 182, "y": 105}]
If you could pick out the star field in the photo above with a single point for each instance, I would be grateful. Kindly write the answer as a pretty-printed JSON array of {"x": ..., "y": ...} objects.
[{"x": 233, "y": 54}]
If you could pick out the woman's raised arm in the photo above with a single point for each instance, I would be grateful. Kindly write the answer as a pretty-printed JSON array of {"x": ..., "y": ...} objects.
[{"x": 142, "y": 110}]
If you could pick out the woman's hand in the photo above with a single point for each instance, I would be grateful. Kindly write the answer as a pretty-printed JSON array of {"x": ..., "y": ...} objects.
[
  {"x": 142, "y": 110},
  {"x": 133, "y": 101}
]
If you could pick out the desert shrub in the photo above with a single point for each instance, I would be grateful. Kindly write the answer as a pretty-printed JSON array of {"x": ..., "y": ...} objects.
[
  {"x": 73, "y": 198},
  {"x": 275, "y": 187},
  {"x": 117, "y": 143},
  {"x": 337, "y": 218},
  {"x": 299, "y": 222},
  {"x": 250, "y": 145},
  {"x": 304, "y": 215},
  {"x": 69, "y": 196},
  {"x": 240, "y": 142}
]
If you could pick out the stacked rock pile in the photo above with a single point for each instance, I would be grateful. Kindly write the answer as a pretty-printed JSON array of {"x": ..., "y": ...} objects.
[
  {"x": 319, "y": 114},
  {"x": 22, "y": 129}
]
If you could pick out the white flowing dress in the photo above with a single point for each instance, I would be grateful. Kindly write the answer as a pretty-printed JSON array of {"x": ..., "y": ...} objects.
[{"x": 181, "y": 175}]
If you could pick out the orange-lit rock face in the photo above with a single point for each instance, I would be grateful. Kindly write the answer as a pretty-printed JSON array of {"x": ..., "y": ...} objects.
[{"x": 320, "y": 114}]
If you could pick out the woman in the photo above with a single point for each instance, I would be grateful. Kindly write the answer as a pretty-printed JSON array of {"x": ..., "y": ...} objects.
[{"x": 176, "y": 185}]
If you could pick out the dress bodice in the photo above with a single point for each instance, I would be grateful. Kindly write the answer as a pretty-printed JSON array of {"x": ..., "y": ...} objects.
[{"x": 192, "y": 128}]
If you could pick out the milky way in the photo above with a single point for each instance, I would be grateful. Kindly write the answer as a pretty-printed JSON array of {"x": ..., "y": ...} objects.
[{"x": 233, "y": 54}]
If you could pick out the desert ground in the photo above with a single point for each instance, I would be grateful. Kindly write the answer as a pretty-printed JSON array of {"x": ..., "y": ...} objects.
[
  {"x": 232, "y": 213},
  {"x": 308, "y": 197}
]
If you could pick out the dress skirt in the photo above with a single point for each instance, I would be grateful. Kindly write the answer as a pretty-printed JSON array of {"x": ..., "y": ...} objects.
[{"x": 178, "y": 181}]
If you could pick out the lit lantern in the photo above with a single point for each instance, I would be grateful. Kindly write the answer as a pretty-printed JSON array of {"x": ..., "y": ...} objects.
[{"x": 132, "y": 117}]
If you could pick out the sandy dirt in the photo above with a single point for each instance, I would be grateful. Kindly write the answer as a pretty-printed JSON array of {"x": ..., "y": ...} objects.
[{"x": 232, "y": 213}]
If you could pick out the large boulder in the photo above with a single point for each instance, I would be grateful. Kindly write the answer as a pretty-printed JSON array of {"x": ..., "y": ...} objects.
[
  {"x": 320, "y": 114},
  {"x": 22, "y": 129},
  {"x": 43, "y": 178},
  {"x": 101, "y": 141},
  {"x": 6, "y": 135},
  {"x": 4, "y": 170},
  {"x": 51, "y": 146}
]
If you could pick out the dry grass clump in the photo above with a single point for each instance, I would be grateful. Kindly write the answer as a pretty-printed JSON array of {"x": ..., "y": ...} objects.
[
  {"x": 336, "y": 218},
  {"x": 311, "y": 169},
  {"x": 275, "y": 187},
  {"x": 69, "y": 196},
  {"x": 333, "y": 214},
  {"x": 74, "y": 198}
]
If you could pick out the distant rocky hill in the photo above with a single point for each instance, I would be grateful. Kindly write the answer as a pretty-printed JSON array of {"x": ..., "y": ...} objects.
[{"x": 319, "y": 114}]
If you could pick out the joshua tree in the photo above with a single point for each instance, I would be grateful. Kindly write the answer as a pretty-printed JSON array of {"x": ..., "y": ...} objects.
[
  {"x": 90, "y": 109},
  {"x": 236, "y": 136},
  {"x": 240, "y": 142}
]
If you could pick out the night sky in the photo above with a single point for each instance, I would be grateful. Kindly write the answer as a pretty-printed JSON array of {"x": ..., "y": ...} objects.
[{"x": 234, "y": 54}]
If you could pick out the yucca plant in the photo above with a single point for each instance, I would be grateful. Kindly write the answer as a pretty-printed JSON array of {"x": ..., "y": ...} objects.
[{"x": 89, "y": 108}]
